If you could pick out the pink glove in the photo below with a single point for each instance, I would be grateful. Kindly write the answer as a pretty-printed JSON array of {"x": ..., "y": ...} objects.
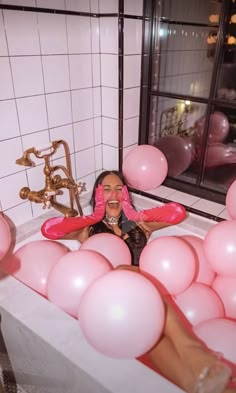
[
  {"x": 57, "y": 227},
  {"x": 171, "y": 213}
]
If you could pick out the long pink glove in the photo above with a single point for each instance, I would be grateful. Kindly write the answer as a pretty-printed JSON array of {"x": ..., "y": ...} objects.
[
  {"x": 171, "y": 213},
  {"x": 57, "y": 227}
]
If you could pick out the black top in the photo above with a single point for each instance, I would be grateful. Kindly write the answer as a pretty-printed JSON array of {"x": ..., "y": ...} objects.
[{"x": 136, "y": 240}]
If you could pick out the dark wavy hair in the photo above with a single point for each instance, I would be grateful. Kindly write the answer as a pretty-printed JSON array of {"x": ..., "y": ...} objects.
[{"x": 100, "y": 179}]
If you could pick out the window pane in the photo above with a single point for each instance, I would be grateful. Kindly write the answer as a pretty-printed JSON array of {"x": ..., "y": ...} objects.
[
  {"x": 174, "y": 129},
  {"x": 220, "y": 157}
]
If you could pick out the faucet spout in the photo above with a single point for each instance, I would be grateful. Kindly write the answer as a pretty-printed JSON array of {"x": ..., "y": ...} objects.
[{"x": 67, "y": 211}]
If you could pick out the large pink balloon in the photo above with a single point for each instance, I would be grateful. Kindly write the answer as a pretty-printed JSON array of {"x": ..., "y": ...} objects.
[
  {"x": 110, "y": 246},
  {"x": 230, "y": 201},
  {"x": 226, "y": 289},
  {"x": 122, "y": 314},
  {"x": 200, "y": 303},
  {"x": 72, "y": 275},
  {"x": 178, "y": 152},
  {"x": 5, "y": 237},
  {"x": 171, "y": 261},
  {"x": 145, "y": 167},
  {"x": 219, "y": 154},
  {"x": 32, "y": 263},
  {"x": 205, "y": 273},
  {"x": 218, "y": 127},
  {"x": 220, "y": 248},
  {"x": 219, "y": 335}
]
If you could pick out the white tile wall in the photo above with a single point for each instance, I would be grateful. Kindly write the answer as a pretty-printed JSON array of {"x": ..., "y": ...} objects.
[{"x": 59, "y": 80}]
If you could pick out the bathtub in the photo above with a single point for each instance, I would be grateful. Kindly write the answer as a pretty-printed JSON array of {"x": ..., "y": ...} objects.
[{"x": 46, "y": 347}]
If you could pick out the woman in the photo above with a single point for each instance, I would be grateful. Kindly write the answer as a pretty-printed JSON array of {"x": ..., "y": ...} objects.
[{"x": 178, "y": 355}]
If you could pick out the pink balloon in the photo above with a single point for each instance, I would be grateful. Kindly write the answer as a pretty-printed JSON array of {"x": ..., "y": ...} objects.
[
  {"x": 200, "y": 303},
  {"x": 220, "y": 248},
  {"x": 205, "y": 273},
  {"x": 178, "y": 152},
  {"x": 5, "y": 237},
  {"x": 219, "y": 154},
  {"x": 171, "y": 261},
  {"x": 145, "y": 167},
  {"x": 219, "y": 335},
  {"x": 122, "y": 314},
  {"x": 218, "y": 127},
  {"x": 230, "y": 200},
  {"x": 32, "y": 263},
  {"x": 226, "y": 289},
  {"x": 72, "y": 275},
  {"x": 110, "y": 246}
]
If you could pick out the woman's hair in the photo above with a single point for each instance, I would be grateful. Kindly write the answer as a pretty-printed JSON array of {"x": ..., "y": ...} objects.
[{"x": 100, "y": 179}]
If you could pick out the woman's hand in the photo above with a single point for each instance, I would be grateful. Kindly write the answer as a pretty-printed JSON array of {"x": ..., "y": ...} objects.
[
  {"x": 171, "y": 213},
  {"x": 57, "y": 227}
]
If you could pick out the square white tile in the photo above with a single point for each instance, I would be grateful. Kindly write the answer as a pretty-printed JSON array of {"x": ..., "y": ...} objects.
[
  {"x": 79, "y": 34},
  {"x": 95, "y": 35},
  {"x": 78, "y": 5},
  {"x": 97, "y": 126},
  {"x": 162, "y": 191},
  {"x": 108, "y": 6},
  {"x": 10, "y": 150},
  {"x": 126, "y": 150},
  {"x": 85, "y": 162},
  {"x": 3, "y": 42},
  {"x": 62, "y": 133},
  {"x": 131, "y": 102},
  {"x": 27, "y": 3},
  {"x": 110, "y": 102},
  {"x": 224, "y": 214},
  {"x": 52, "y": 30},
  {"x": 36, "y": 177},
  {"x": 132, "y": 71},
  {"x": 56, "y": 73},
  {"x": 109, "y": 35},
  {"x": 38, "y": 140},
  {"x": 132, "y": 36},
  {"x": 96, "y": 70},
  {"x": 54, "y": 4},
  {"x": 185, "y": 199},
  {"x": 20, "y": 214},
  {"x": 32, "y": 114},
  {"x": 209, "y": 207},
  {"x": 6, "y": 84},
  {"x": 109, "y": 70},
  {"x": 9, "y": 127},
  {"x": 82, "y": 104},
  {"x": 80, "y": 71},
  {"x": 130, "y": 131},
  {"x": 83, "y": 135},
  {"x": 10, "y": 187},
  {"x": 22, "y": 33},
  {"x": 110, "y": 157},
  {"x": 94, "y": 6},
  {"x": 97, "y": 102},
  {"x": 109, "y": 131},
  {"x": 27, "y": 75},
  {"x": 59, "y": 109},
  {"x": 98, "y": 157},
  {"x": 132, "y": 7}
]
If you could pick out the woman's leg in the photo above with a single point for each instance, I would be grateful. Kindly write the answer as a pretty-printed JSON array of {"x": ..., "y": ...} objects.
[{"x": 179, "y": 355}]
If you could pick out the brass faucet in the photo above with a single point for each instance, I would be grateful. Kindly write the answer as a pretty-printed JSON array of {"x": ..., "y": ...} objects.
[{"x": 54, "y": 183}]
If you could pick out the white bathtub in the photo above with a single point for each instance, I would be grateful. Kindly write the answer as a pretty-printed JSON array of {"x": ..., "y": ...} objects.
[{"x": 47, "y": 349}]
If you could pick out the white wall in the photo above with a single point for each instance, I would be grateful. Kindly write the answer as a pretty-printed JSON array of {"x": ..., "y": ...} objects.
[{"x": 59, "y": 80}]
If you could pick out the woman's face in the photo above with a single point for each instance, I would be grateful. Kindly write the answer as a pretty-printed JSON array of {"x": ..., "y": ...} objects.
[{"x": 112, "y": 186}]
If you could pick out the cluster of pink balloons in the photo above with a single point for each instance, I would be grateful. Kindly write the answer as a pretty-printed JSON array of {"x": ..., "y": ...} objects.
[
  {"x": 200, "y": 274},
  {"x": 109, "y": 303}
]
